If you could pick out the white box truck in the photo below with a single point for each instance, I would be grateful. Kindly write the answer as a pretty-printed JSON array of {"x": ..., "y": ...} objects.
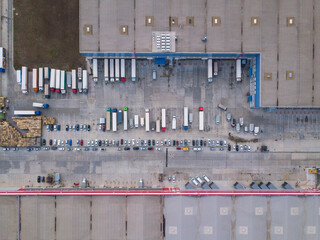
[
  {"x": 106, "y": 70},
  {"x": 238, "y": 70},
  {"x": 112, "y": 70},
  {"x": 133, "y": 70},
  {"x": 95, "y": 70},
  {"x": 74, "y": 80},
  {"x": 123, "y": 70},
  {"x": 117, "y": 69},
  {"x": 201, "y": 120},
  {"x": 209, "y": 70},
  {"x": 58, "y": 81},
  {"x": 114, "y": 120},
  {"x": 185, "y": 118},
  {"x": 158, "y": 126},
  {"x": 174, "y": 123},
  {"x": 163, "y": 119},
  {"x": 24, "y": 82},
  {"x": 136, "y": 121},
  {"x": 147, "y": 123},
  {"x": 85, "y": 81},
  {"x": 53, "y": 80},
  {"x": 40, "y": 79},
  {"x": 125, "y": 119}
]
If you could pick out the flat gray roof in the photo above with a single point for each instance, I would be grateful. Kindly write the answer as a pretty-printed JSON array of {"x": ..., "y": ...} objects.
[{"x": 283, "y": 48}]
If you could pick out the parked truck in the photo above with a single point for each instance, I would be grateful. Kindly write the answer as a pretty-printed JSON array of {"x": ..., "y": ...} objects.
[
  {"x": 123, "y": 70},
  {"x": 163, "y": 119},
  {"x": 133, "y": 69},
  {"x": 69, "y": 80},
  {"x": 215, "y": 68},
  {"x": 119, "y": 116},
  {"x": 58, "y": 80},
  {"x": 256, "y": 131},
  {"x": 174, "y": 123},
  {"x": 85, "y": 81},
  {"x": 103, "y": 124},
  {"x": 35, "y": 80},
  {"x": 209, "y": 70},
  {"x": 24, "y": 81},
  {"x": 238, "y": 70},
  {"x": 106, "y": 70},
  {"x": 26, "y": 112},
  {"x": 46, "y": 74},
  {"x": 136, "y": 121},
  {"x": 112, "y": 70},
  {"x": 19, "y": 77},
  {"x": 40, "y": 105},
  {"x": 142, "y": 121},
  {"x": 46, "y": 90},
  {"x": 251, "y": 127},
  {"x": 190, "y": 118},
  {"x": 114, "y": 120},
  {"x": 153, "y": 126},
  {"x": 108, "y": 117},
  {"x": 40, "y": 79},
  {"x": 80, "y": 79},
  {"x": 201, "y": 120},
  {"x": 125, "y": 119},
  {"x": 147, "y": 123},
  {"x": 63, "y": 82},
  {"x": 158, "y": 126},
  {"x": 117, "y": 69},
  {"x": 52, "y": 80},
  {"x": 185, "y": 118},
  {"x": 95, "y": 70},
  {"x": 74, "y": 80}
]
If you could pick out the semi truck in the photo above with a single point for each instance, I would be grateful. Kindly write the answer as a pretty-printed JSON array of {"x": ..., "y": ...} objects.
[
  {"x": 142, "y": 122},
  {"x": 58, "y": 80},
  {"x": 163, "y": 119},
  {"x": 108, "y": 117},
  {"x": 106, "y": 70},
  {"x": 238, "y": 70},
  {"x": 158, "y": 126},
  {"x": 185, "y": 118},
  {"x": 114, "y": 120},
  {"x": 40, "y": 79},
  {"x": 125, "y": 119},
  {"x": 80, "y": 79},
  {"x": 26, "y": 112},
  {"x": 117, "y": 69},
  {"x": 46, "y": 91},
  {"x": 123, "y": 70},
  {"x": 52, "y": 80},
  {"x": 95, "y": 70},
  {"x": 147, "y": 123},
  {"x": 102, "y": 124},
  {"x": 19, "y": 77},
  {"x": 209, "y": 70},
  {"x": 201, "y": 120},
  {"x": 46, "y": 73},
  {"x": 85, "y": 81},
  {"x": 112, "y": 70},
  {"x": 215, "y": 68},
  {"x": 40, "y": 105},
  {"x": 136, "y": 121},
  {"x": 35, "y": 81},
  {"x": 174, "y": 123},
  {"x": 119, "y": 116},
  {"x": 133, "y": 69},
  {"x": 74, "y": 80},
  {"x": 24, "y": 81},
  {"x": 69, "y": 80},
  {"x": 63, "y": 82}
]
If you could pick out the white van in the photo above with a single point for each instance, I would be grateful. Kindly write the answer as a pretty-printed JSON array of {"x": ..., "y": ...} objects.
[{"x": 154, "y": 75}]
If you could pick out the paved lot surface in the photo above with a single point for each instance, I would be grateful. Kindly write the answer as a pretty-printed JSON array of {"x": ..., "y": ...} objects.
[{"x": 9, "y": 218}]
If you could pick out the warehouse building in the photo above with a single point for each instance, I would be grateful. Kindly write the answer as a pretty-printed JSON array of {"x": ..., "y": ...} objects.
[{"x": 281, "y": 38}]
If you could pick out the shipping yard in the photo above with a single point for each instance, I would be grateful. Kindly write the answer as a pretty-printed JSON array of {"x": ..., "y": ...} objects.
[{"x": 160, "y": 119}]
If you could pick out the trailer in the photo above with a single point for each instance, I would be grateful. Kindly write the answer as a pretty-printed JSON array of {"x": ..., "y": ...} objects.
[
  {"x": 24, "y": 81},
  {"x": 114, "y": 120},
  {"x": 40, "y": 105},
  {"x": 238, "y": 70},
  {"x": 142, "y": 122},
  {"x": 174, "y": 123},
  {"x": 112, "y": 70},
  {"x": 69, "y": 80},
  {"x": 80, "y": 80},
  {"x": 74, "y": 80},
  {"x": 46, "y": 91},
  {"x": 147, "y": 123},
  {"x": 2, "y": 59},
  {"x": 19, "y": 77},
  {"x": 136, "y": 121},
  {"x": 52, "y": 80},
  {"x": 119, "y": 116},
  {"x": 106, "y": 70},
  {"x": 163, "y": 119},
  {"x": 133, "y": 69},
  {"x": 108, "y": 117},
  {"x": 123, "y": 70},
  {"x": 95, "y": 70},
  {"x": 185, "y": 118},
  {"x": 209, "y": 70},
  {"x": 40, "y": 79},
  {"x": 26, "y": 112},
  {"x": 215, "y": 68},
  {"x": 201, "y": 120},
  {"x": 158, "y": 126},
  {"x": 46, "y": 73},
  {"x": 63, "y": 82},
  {"x": 125, "y": 119},
  {"x": 85, "y": 81},
  {"x": 35, "y": 80},
  {"x": 58, "y": 80},
  {"x": 117, "y": 69}
]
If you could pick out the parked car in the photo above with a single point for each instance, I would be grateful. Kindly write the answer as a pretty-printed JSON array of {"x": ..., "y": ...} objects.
[
  {"x": 89, "y": 128},
  {"x": 39, "y": 179},
  {"x": 43, "y": 142},
  {"x": 67, "y": 127}
]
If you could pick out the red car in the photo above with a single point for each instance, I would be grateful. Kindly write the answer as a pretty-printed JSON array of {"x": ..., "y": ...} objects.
[
  {"x": 178, "y": 148},
  {"x": 121, "y": 141},
  {"x": 81, "y": 142},
  {"x": 177, "y": 142}
]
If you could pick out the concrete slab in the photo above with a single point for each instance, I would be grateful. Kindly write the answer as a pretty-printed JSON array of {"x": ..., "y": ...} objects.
[
  {"x": 9, "y": 213},
  {"x": 316, "y": 64}
]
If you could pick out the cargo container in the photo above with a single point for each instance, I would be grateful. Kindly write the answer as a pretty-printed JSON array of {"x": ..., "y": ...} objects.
[
  {"x": 63, "y": 82},
  {"x": 117, "y": 69},
  {"x": 74, "y": 80},
  {"x": 215, "y": 68},
  {"x": 46, "y": 73},
  {"x": 147, "y": 124},
  {"x": 24, "y": 81},
  {"x": 158, "y": 126},
  {"x": 2, "y": 59},
  {"x": 209, "y": 70},
  {"x": 40, "y": 105},
  {"x": 133, "y": 70},
  {"x": 106, "y": 69},
  {"x": 125, "y": 119},
  {"x": 35, "y": 80},
  {"x": 185, "y": 118},
  {"x": 112, "y": 70},
  {"x": 46, "y": 90},
  {"x": 40, "y": 79},
  {"x": 201, "y": 120},
  {"x": 114, "y": 120},
  {"x": 163, "y": 119},
  {"x": 52, "y": 80},
  {"x": 123, "y": 70},
  {"x": 238, "y": 70},
  {"x": 119, "y": 116},
  {"x": 26, "y": 112},
  {"x": 94, "y": 70},
  {"x": 58, "y": 81},
  {"x": 85, "y": 81},
  {"x": 19, "y": 77},
  {"x": 108, "y": 117},
  {"x": 69, "y": 80},
  {"x": 136, "y": 121},
  {"x": 174, "y": 123}
]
